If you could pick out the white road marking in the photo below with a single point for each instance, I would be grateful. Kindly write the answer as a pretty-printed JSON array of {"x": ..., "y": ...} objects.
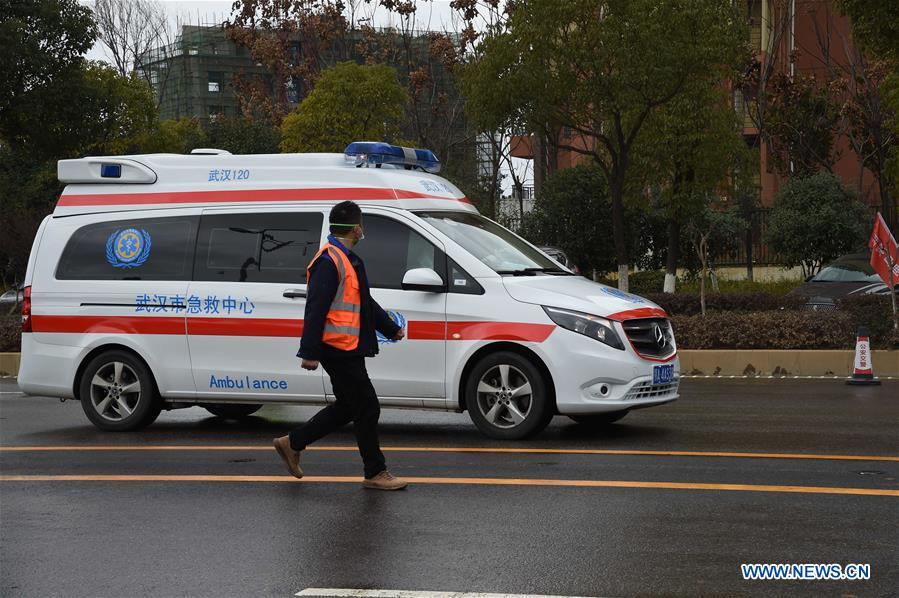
[{"x": 361, "y": 593}]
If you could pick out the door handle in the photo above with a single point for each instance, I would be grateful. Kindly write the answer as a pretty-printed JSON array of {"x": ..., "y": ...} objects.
[{"x": 294, "y": 293}]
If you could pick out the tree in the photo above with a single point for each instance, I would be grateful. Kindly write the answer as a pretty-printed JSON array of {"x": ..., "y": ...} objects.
[
  {"x": 875, "y": 26},
  {"x": 241, "y": 135},
  {"x": 42, "y": 42},
  {"x": 859, "y": 83},
  {"x": 290, "y": 40},
  {"x": 803, "y": 121},
  {"x": 601, "y": 68},
  {"x": 814, "y": 220},
  {"x": 349, "y": 103},
  {"x": 574, "y": 213},
  {"x": 712, "y": 230},
  {"x": 130, "y": 29},
  {"x": 179, "y": 136},
  {"x": 89, "y": 109},
  {"x": 772, "y": 22},
  {"x": 711, "y": 156}
]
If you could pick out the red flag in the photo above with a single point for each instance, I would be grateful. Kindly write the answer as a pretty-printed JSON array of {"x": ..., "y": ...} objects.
[{"x": 882, "y": 245}]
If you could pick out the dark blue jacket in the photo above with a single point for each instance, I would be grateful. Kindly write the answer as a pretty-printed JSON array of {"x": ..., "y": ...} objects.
[{"x": 320, "y": 290}]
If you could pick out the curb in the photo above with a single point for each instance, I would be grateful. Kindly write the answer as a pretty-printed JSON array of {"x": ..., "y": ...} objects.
[
  {"x": 713, "y": 363},
  {"x": 9, "y": 364},
  {"x": 772, "y": 363}
]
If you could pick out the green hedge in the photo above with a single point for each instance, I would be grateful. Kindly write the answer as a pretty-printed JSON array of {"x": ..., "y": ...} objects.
[
  {"x": 10, "y": 333},
  {"x": 688, "y": 304}
]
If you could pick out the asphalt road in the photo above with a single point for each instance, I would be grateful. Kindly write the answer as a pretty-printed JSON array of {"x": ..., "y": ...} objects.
[{"x": 669, "y": 501}]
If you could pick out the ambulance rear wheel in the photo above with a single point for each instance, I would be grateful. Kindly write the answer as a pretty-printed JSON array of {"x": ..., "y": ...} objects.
[
  {"x": 507, "y": 398},
  {"x": 118, "y": 392},
  {"x": 229, "y": 411}
]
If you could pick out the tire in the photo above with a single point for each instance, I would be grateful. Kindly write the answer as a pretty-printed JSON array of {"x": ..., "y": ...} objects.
[
  {"x": 497, "y": 399},
  {"x": 118, "y": 392},
  {"x": 599, "y": 419},
  {"x": 231, "y": 411}
]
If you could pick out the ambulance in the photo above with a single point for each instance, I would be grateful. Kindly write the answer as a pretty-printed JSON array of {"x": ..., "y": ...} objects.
[{"x": 168, "y": 281}]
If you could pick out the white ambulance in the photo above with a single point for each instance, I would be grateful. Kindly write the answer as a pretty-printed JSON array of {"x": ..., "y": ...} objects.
[{"x": 166, "y": 281}]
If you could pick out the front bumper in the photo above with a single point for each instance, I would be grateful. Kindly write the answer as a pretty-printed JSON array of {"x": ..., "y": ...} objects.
[{"x": 590, "y": 377}]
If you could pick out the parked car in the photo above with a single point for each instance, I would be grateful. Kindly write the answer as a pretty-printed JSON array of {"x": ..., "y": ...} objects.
[
  {"x": 848, "y": 275},
  {"x": 12, "y": 297},
  {"x": 559, "y": 255}
]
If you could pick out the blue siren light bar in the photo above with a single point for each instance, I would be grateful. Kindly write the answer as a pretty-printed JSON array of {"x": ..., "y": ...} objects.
[
  {"x": 377, "y": 153},
  {"x": 111, "y": 171}
]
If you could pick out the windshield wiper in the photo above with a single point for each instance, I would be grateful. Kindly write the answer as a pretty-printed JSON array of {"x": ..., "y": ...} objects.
[{"x": 535, "y": 271}]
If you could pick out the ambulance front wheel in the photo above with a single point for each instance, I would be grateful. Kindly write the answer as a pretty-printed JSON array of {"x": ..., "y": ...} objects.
[
  {"x": 507, "y": 398},
  {"x": 231, "y": 411},
  {"x": 118, "y": 392}
]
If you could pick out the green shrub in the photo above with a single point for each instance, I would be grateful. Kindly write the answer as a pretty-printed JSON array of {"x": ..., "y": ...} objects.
[
  {"x": 10, "y": 334},
  {"x": 775, "y": 330},
  {"x": 872, "y": 311},
  {"x": 687, "y": 304},
  {"x": 645, "y": 282},
  {"x": 777, "y": 288},
  {"x": 766, "y": 330}
]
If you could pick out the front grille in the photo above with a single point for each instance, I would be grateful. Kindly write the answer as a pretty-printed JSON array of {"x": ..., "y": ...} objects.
[
  {"x": 646, "y": 390},
  {"x": 823, "y": 305},
  {"x": 643, "y": 335}
]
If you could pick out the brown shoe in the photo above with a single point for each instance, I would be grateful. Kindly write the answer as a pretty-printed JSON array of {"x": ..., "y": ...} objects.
[
  {"x": 384, "y": 481},
  {"x": 290, "y": 456}
]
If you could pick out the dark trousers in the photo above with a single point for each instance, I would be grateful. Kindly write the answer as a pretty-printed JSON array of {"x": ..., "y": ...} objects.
[{"x": 356, "y": 401}]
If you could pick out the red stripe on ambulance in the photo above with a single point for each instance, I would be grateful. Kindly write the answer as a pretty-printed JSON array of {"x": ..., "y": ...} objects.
[
  {"x": 271, "y": 327},
  {"x": 247, "y": 195},
  {"x": 642, "y": 312}
]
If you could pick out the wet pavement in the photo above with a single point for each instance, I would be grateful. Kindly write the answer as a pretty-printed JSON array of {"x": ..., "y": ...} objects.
[{"x": 669, "y": 501}]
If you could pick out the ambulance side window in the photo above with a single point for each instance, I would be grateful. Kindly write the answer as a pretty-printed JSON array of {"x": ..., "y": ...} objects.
[
  {"x": 391, "y": 248},
  {"x": 133, "y": 249},
  {"x": 272, "y": 247},
  {"x": 460, "y": 281}
]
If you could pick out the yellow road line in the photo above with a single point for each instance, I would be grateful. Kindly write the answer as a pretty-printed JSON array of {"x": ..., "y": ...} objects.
[
  {"x": 416, "y": 449},
  {"x": 456, "y": 481}
]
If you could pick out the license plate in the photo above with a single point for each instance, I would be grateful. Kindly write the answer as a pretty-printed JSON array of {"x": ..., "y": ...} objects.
[{"x": 662, "y": 374}]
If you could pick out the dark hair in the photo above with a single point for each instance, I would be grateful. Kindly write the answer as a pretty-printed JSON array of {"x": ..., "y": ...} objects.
[{"x": 346, "y": 212}]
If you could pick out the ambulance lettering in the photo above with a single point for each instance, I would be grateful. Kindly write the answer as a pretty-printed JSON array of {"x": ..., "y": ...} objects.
[
  {"x": 227, "y": 174},
  {"x": 209, "y": 305},
  {"x": 246, "y": 382}
]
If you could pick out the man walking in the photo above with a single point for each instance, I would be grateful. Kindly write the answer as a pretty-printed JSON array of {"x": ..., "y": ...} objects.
[{"x": 339, "y": 332}]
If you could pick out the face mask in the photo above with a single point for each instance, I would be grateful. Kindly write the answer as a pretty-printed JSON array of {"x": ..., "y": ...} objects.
[{"x": 361, "y": 233}]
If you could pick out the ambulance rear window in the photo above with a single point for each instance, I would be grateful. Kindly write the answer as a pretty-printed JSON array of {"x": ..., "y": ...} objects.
[{"x": 132, "y": 249}]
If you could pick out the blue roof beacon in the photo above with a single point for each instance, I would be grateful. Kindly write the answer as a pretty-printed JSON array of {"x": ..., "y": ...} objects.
[{"x": 367, "y": 153}]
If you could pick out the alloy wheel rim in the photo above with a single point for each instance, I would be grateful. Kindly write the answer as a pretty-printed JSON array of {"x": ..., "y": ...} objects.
[
  {"x": 505, "y": 397},
  {"x": 115, "y": 391}
]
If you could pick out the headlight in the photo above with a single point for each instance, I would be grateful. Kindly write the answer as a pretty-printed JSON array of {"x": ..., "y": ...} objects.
[{"x": 595, "y": 327}]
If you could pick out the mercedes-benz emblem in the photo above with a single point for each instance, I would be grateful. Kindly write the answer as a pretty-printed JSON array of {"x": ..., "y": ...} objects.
[{"x": 661, "y": 341}]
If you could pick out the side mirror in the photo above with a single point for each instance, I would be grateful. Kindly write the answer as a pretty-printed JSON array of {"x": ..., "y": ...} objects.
[
  {"x": 423, "y": 279},
  {"x": 809, "y": 278}
]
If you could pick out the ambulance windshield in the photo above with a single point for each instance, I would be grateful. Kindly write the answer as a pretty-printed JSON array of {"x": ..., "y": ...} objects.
[{"x": 497, "y": 247}]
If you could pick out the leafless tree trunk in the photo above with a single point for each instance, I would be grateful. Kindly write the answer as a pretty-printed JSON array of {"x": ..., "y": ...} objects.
[{"x": 129, "y": 29}]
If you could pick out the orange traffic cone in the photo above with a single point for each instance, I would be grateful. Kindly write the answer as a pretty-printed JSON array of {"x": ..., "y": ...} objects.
[{"x": 863, "y": 371}]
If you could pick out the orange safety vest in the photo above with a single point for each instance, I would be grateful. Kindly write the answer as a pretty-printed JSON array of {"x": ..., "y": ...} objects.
[{"x": 344, "y": 316}]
